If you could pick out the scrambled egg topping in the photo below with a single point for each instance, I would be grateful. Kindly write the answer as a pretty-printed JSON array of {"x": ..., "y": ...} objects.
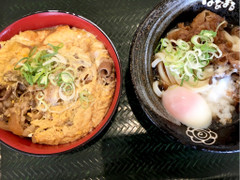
[{"x": 56, "y": 84}]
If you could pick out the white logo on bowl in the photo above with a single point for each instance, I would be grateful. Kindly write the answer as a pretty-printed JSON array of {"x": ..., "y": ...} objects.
[
  {"x": 220, "y": 4},
  {"x": 204, "y": 136}
]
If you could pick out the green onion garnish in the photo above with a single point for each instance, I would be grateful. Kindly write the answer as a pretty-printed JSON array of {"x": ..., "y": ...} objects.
[
  {"x": 38, "y": 65},
  {"x": 188, "y": 59}
]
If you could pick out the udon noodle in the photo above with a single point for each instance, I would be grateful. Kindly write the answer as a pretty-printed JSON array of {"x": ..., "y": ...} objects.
[{"x": 202, "y": 57}]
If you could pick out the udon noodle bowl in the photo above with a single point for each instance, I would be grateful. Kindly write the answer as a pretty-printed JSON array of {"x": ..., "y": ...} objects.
[
  {"x": 56, "y": 84},
  {"x": 196, "y": 71}
]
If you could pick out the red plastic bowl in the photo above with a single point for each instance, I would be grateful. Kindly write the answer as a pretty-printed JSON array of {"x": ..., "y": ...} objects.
[{"x": 47, "y": 19}]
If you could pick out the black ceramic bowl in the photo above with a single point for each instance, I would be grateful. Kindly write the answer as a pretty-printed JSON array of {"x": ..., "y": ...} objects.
[{"x": 163, "y": 18}]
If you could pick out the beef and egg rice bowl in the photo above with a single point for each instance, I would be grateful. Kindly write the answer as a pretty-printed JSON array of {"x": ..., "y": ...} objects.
[{"x": 57, "y": 85}]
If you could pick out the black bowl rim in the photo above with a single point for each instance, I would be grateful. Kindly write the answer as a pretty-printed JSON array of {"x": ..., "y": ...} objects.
[{"x": 134, "y": 41}]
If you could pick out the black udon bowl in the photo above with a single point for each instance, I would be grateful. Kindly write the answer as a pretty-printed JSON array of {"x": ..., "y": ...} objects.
[{"x": 161, "y": 19}]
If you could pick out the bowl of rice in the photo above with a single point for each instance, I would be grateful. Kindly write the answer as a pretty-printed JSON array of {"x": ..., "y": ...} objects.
[{"x": 60, "y": 82}]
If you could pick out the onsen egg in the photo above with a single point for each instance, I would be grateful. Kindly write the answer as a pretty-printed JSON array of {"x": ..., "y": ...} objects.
[{"x": 187, "y": 106}]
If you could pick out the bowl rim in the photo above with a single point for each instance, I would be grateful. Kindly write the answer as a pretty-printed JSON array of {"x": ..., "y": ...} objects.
[
  {"x": 116, "y": 96},
  {"x": 133, "y": 73}
]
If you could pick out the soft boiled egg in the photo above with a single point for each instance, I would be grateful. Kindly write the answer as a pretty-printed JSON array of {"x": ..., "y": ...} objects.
[{"x": 187, "y": 106}]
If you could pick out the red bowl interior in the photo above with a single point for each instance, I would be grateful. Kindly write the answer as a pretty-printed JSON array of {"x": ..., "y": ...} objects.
[{"x": 48, "y": 19}]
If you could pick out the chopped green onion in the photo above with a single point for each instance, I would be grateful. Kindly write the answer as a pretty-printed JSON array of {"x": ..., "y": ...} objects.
[
  {"x": 38, "y": 75},
  {"x": 208, "y": 33},
  {"x": 67, "y": 91},
  {"x": 67, "y": 77},
  {"x": 157, "y": 48},
  {"x": 38, "y": 65},
  {"x": 40, "y": 97},
  {"x": 183, "y": 45},
  {"x": 85, "y": 98},
  {"x": 187, "y": 59},
  {"x": 17, "y": 68},
  {"x": 43, "y": 80},
  {"x": 56, "y": 48},
  {"x": 32, "y": 51}
]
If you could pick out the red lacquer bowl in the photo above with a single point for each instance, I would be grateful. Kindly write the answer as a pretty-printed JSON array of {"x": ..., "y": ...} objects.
[{"x": 47, "y": 19}]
